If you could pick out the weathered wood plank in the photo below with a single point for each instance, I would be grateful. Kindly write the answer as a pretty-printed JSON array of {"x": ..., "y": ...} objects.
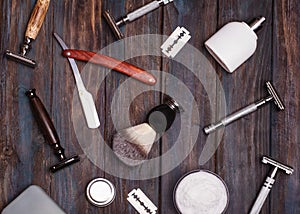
[
  {"x": 246, "y": 140},
  {"x": 25, "y": 157},
  {"x": 140, "y": 104},
  {"x": 285, "y": 129},
  {"x": 78, "y": 23},
  {"x": 24, "y": 151},
  {"x": 199, "y": 17}
]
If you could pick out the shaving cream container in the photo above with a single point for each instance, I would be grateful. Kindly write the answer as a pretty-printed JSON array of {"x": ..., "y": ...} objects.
[
  {"x": 201, "y": 192},
  {"x": 100, "y": 192}
]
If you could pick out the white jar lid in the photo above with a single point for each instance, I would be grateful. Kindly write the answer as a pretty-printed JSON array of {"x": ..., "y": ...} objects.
[{"x": 100, "y": 192}]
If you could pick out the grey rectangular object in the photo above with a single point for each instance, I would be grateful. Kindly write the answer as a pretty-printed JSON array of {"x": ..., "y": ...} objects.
[{"x": 33, "y": 200}]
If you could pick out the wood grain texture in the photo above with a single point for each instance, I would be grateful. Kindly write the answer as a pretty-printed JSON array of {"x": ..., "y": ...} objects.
[
  {"x": 112, "y": 63},
  {"x": 246, "y": 140},
  {"x": 37, "y": 18},
  {"x": 25, "y": 158},
  {"x": 285, "y": 126},
  {"x": 188, "y": 14}
]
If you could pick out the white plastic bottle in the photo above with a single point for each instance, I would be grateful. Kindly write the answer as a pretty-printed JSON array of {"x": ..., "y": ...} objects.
[{"x": 234, "y": 43}]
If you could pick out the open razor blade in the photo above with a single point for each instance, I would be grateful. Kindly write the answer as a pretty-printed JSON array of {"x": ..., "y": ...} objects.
[
  {"x": 141, "y": 202},
  {"x": 176, "y": 42},
  {"x": 85, "y": 97}
]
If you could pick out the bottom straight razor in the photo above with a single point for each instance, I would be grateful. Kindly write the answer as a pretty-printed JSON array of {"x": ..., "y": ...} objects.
[{"x": 86, "y": 98}]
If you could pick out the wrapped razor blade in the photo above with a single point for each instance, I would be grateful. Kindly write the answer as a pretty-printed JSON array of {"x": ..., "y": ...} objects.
[
  {"x": 176, "y": 42},
  {"x": 141, "y": 202}
]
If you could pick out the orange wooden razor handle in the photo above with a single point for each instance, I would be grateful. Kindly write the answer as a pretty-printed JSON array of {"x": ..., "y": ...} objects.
[{"x": 111, "y": 63}]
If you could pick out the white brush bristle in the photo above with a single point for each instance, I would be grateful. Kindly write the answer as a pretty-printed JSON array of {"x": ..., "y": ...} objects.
[{"x": 142, "y": 135}]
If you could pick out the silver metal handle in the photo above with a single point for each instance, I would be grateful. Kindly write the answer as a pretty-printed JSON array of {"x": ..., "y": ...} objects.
[
  {"x": 241, "y": 113},
  {"x": 142, "y": 11},
  {"x": 263, "y": 194},
  {"x": 231, "y": 118}
]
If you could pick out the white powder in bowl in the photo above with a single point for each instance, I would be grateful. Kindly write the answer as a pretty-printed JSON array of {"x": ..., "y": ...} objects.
[{"x": 201, "y": 192}]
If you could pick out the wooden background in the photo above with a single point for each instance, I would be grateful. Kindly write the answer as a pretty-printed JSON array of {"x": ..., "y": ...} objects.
[{"x": 24, "y": 157}]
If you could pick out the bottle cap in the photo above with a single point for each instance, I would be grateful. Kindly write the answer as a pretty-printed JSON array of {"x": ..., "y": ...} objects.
[{"x": 100, "y": 192}]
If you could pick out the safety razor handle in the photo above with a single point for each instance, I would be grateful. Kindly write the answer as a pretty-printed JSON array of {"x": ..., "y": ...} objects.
[
  {"x": 109, "y": 62},
  {"x": 239, "y": 114},
  {"x": 262, "y": 196},
  {"x": 43, "y": 118},
  {"x": 37, "y": 18},
  {"x": 231, "y": 118},
  {"x": 143, "y": 11}
]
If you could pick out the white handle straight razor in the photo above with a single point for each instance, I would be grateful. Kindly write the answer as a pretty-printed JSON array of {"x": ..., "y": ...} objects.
[{"x": 86, "y": 98}]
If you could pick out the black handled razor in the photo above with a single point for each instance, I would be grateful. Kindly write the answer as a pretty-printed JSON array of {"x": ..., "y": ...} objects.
[{"x": 273, "y": 96}]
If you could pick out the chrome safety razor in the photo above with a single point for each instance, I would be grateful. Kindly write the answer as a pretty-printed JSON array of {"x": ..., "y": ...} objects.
[
  {"x": 267, "y": 186},
  {"x": 273, "y": 96},
  {"x": 115, "y": 25}
]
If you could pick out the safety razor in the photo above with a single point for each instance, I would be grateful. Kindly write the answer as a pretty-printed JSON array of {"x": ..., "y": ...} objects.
[
  {"x": 267, "y": 186},
  {"x": 115, "y": 25},
  {"x": 49, "y": 132},
  {"x": 273, "y": 96},
  {"x": 33, "y": 27}
]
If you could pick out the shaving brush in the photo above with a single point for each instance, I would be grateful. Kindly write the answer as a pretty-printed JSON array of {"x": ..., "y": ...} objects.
[{"x": 132, "y": 145}]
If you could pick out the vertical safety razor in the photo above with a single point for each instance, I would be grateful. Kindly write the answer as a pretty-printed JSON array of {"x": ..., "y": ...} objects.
[
  {"x": 267, "y": 186},
  {"x": 33, "y": 27},
  {"x": 273, "y": 96},
  {"x": 115, "y": 25}
]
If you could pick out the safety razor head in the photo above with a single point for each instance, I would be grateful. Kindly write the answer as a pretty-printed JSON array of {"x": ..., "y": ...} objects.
[
  {"x": 267, "y": 160},
  {"x": 64, "y": 163},
  {"x": 113, "y": 24},
  {"x": 275, "y": 96},
  {"x": 21, "y": 59}
]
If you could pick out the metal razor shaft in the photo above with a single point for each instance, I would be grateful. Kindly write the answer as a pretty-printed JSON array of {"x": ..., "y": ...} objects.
[
  {"x": 142, "y": 11},
  {"x": 237, "y": 115},
  {"x": 263, "y": 194},
  {"x": 267, "y": 186},
  {"x": 115, "y": 25}
]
